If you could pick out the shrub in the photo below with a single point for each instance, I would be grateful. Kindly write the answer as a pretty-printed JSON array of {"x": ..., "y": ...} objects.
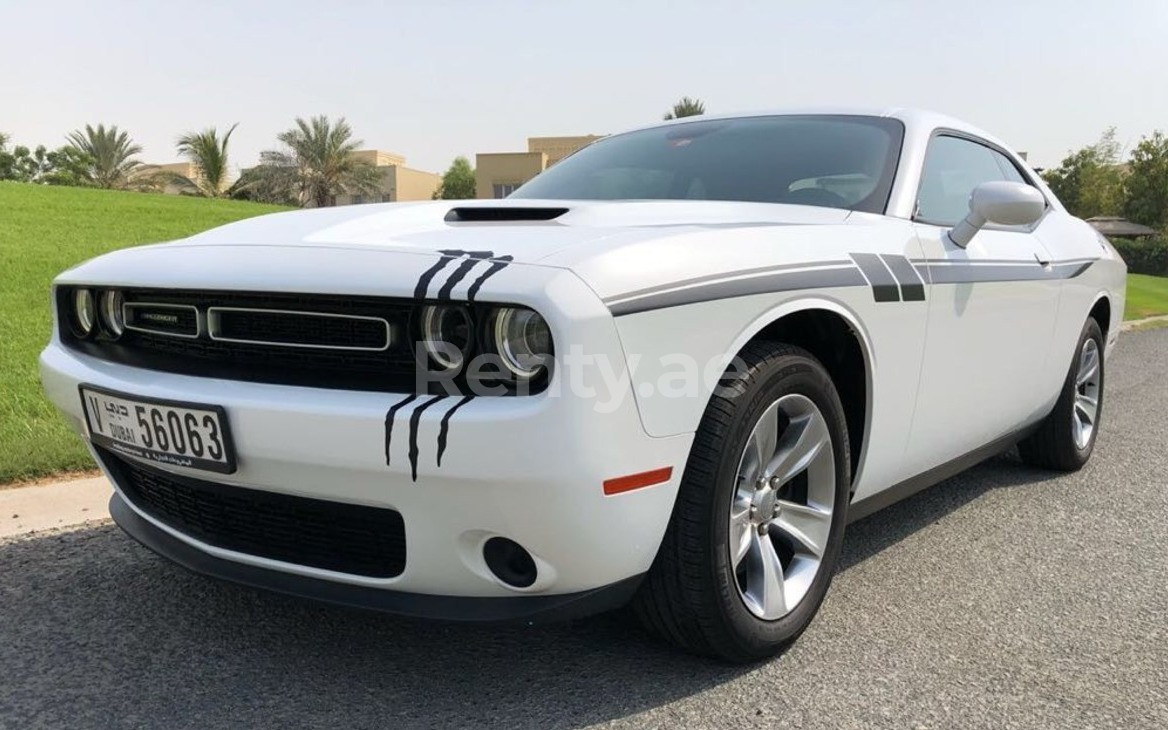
[{"x": 1145, "y": 256}]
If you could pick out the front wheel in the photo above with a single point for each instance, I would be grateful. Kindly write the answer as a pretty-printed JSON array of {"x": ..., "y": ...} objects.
[
  {"x": 758, "y": 523},
  {"x": 1066, "y": 438}
]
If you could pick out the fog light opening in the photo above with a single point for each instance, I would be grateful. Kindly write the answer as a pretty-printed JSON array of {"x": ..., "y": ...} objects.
[{"x": 509, "y": 562}]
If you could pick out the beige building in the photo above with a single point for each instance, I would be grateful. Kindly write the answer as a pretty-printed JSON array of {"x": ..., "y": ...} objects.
[
  {"x": 497, "y": 174},
  {"x": 398, "y": 182},
  {"x": 163, "y": 172}
]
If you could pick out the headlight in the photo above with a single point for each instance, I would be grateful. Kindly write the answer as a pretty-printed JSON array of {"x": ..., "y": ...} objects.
[
  {"x": 446, "y": 335},
  {"x": 523, "y": 341},
  {"x": 84, "y": 315},
  {"x": 111, "y": 312}
]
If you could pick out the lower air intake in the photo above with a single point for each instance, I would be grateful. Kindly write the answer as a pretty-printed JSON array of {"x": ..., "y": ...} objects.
[{"x": 346, "y": 538}]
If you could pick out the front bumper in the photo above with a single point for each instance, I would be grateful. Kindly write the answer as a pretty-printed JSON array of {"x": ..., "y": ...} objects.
[
  {"x": 526, "y": 609},
  {"x": 529, "y": 469}
]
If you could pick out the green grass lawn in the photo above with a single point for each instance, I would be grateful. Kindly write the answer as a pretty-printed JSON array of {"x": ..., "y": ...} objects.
[
  {"x": 43, "y": 231},
  {"x": 1147, "y": 296}
]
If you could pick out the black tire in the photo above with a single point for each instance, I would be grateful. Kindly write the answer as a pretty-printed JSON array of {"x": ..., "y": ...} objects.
[
  {"x": 1053, "y": 445},
  {"x": 690, "y": 596}
]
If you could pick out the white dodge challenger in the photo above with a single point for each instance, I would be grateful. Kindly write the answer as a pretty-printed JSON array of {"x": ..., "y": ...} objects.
[{"x": 666, "y": 371}]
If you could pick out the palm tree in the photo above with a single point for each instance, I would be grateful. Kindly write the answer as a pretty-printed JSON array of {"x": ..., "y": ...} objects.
[
  {"x": 207, "y": 153},
  {"x": 320, "y": 153},
  {"x": 111, "y": 154},
  {"x": 687, "y": 107}
]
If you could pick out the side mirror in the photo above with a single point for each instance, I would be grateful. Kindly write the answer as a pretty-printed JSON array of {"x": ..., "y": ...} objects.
[{"x": 1002, "y": 202}]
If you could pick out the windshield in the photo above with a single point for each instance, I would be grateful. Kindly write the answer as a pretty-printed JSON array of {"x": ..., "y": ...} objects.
[{"x": 832, "y": 161}]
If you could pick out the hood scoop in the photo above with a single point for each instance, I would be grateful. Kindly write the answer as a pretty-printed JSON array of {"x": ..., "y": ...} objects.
[{"x": 502, "y": 214}]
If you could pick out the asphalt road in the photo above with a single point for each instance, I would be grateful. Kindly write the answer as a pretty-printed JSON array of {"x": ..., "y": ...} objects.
[{"x": 1006, "y": 597}]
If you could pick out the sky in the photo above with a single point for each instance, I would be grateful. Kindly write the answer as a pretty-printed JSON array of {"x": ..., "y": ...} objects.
[{"x": 432, "y": 79}]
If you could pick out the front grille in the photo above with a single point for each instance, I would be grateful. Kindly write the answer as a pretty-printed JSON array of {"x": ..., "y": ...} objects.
[
  {"x": 299, "y": 329},
  {"x": 178, "y": 320},
  {"x": 346, "y": 538},
  {"x": 321, "y": 341}
]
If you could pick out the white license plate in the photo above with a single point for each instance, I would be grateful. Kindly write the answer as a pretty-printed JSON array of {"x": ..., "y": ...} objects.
[{"x": 168, "y": 432}]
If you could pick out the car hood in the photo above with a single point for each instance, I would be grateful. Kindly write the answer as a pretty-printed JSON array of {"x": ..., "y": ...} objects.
[
  {"x": 553, "y": 232},
  {"x": 399, "y": 249}
]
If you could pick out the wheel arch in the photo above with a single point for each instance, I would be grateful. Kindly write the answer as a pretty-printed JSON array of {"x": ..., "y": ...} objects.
[
  {"x": 1101, "y": 312},
  {"x": 835, "y": 336}
]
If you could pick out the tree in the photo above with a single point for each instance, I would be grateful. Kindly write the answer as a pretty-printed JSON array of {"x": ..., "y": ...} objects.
[
  {"x": 25, "y": 165},
  {"x": 458, "y": 182},
  {"x": 66, "y": 166},
  {"x": 110, "y": 153},
  {"x": 318, "y": 162},
  {"x": 687, "y": 107},
  {"x": 6, "y": 158},
  {"x": 265, "y": 183},
  {"x": 1147, "y": 182},
  {"x": 63, "y": 166},
  {"x": 207, "y": 152},
  {"x": 1090, "y": 181},
  {"x": 9, "y": 160}
]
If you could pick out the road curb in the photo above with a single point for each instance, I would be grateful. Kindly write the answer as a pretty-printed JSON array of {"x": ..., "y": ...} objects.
[
  {"x": 1135, "y": 324},
  {"x": 25, "y": 510}
]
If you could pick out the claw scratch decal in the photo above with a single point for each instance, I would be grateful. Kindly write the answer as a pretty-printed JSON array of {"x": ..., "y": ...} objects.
[
  {"x": 415, "y": 419},
  {"x": 470, "y": 259},
  {"x": 390, "y": 415},
  {"x": 474, "y": 257},
  {"x": 424, "y": 279},
  {"x": 497, "y": 265},
  {"x": 445, "y": 426}
]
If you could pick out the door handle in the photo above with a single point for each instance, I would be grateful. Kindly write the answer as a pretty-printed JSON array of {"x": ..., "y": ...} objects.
[{"x": 1044, "y": 263}]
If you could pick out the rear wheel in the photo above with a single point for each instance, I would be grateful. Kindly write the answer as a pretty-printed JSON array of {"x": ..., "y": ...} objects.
[
  {"x": 756, "y": 530},
  {"x": 1066, "y": 438}
]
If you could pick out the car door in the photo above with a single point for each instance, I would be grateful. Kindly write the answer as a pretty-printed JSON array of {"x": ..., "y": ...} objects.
[{"x": 992, "y": 309}]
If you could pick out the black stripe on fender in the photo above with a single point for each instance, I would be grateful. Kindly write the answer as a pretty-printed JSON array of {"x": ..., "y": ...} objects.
[
  {"x": 912, "y": 288},
  {"x": 444, "y": 427},
  {"x": 779, "y": 279},
  {"x": 390, "y": 415},
  {"x": 947, "y": 271},
  {"x": 884, "y": 286},
  {"x": 415, "y": 419}
]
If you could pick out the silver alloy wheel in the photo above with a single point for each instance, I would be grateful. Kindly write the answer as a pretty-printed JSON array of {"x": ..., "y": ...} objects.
[
  {"x": 1086, "y": 411},
  {"x": 781, "y": 509}
]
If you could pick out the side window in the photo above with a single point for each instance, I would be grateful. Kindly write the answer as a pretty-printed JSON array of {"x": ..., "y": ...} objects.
[
  {"x": 1009, "y": 171},
  {"x": 953, "y": 168}
]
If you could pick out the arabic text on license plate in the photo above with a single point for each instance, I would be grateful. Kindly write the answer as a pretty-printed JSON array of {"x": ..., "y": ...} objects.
[{"x": 168, "y": 432}]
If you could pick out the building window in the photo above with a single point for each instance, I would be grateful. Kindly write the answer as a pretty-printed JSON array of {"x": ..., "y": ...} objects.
[
  {"x": 502, "y": 190},
  {"x": 358, "y": 199}
]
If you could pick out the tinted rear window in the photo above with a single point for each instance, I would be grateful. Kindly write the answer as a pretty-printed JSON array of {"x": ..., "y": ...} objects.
[{"x": 833, "y": 161}]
